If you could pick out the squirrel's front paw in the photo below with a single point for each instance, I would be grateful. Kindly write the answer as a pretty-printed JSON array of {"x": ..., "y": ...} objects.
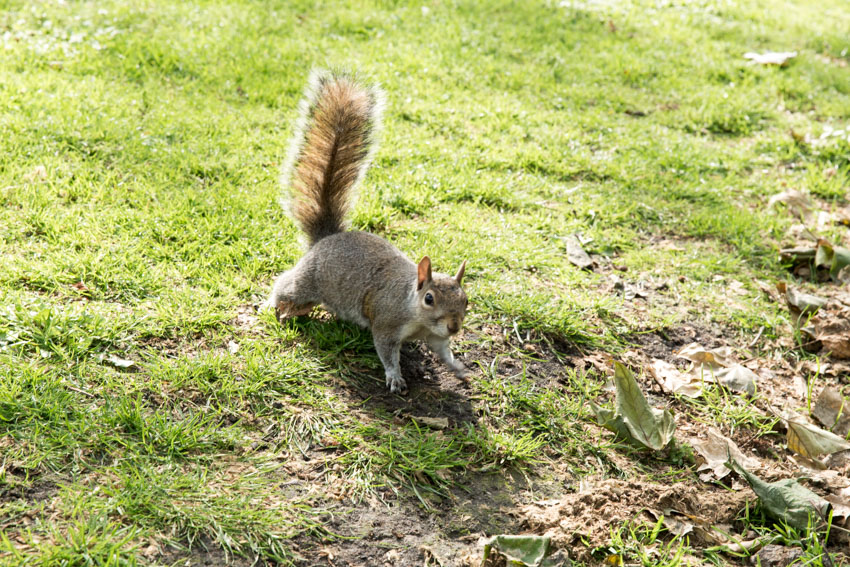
[
  {"x": 460, "y": 370},
  {"x": 396, "y": 384}
]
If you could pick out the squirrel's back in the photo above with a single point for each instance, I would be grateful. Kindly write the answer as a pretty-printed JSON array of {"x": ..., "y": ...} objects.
[{"x": 331, "y": 150}]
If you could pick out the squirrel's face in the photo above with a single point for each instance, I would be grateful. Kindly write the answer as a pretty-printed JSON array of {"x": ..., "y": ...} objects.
[{"x": 442, "y": 302}]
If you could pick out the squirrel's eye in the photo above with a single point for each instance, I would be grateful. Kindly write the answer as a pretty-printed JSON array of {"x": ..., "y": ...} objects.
[{"x": 429, "y": 299}]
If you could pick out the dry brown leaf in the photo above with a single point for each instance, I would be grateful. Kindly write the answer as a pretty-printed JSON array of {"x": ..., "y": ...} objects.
[
  {"x": 840, "y": 503},
  {"x": 715, "y": 449},
  {"x": 832, "y": 329},
  {"x": 738, "y": 378},
  {"x": 714, "y": 358},
  {"x": 832, "y": 410},
  {"x": 673, "y": 381},
  {"x": 774, "y": 555},
  {"x": 801, "y": 306},
  {"x": 812, "y": 441}
]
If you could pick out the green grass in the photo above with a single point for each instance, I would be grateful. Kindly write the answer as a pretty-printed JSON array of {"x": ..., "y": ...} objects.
[{"x": 139, "y": 219}]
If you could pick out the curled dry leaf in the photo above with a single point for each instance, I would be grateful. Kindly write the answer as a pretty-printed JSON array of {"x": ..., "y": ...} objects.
[
  {"x": 678, "y": 523},
  {"x": 775, "y": 555},
  {"x": 800, "y": 305},
  {"x": 832, "y": 410},
  {"x": 716, "y": 449},
  {"x": 833, "y": 258},
  {"x": 673, "y": 381},
  {"x": 432, "y": 422},
  {"x": 720, "y": 357},
  {"x": 576, "y": 254},
  {"x": 840, "y": 503},
  {"x": 738, "y": 379},
  {"x": 812, "y": 441}
]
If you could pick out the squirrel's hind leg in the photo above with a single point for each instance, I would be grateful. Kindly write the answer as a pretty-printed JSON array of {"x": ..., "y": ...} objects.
[{"x": 288, "y": 297}]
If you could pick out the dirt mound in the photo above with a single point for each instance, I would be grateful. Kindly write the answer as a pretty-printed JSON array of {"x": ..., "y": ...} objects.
[{"x": 582, "y": 522}]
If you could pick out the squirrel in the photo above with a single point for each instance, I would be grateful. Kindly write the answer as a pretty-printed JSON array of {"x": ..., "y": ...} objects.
[{"x": 358, "y": 276}]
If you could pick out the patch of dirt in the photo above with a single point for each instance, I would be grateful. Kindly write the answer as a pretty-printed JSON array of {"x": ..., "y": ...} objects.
[
  {"x": 663, "y": 343},
  {"x": 171, "y": 347},
  {"x": 405, "y": 533},
  {"x": 581, "y": 522},
  {"x": 205, "y": 553},
  {"x": 435, "y": 391},
  {"x": 39, "y": 490}
]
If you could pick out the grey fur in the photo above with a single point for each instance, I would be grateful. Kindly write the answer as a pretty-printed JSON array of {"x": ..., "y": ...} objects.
[{"x": 358, "y": 276}]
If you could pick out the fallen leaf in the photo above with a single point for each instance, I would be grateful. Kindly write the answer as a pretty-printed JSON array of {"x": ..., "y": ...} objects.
[
  {"x": 715, "y": 449},
  {"x": 799, "y": 254},
  {"x": 714, "y": 358},
  {"x": 812, "y": 441},
  {"x": 677, "y": 526},
  {"x": 634, "y": 419},
  {"x": 673, "y": 381},
  {"x": 779, "y": 58},
  {"x": 432, "y": 422},
  {"x": 526, "y": 550},
  {"x": 798, "y": 203},
  {"x": 800, "y": 305},
  {"x": 840, "y": 503},
  {"x": 738, "y": 378},
  {"x": 119, "y": 362},
  {"x": 832, "y": 329},
  {"x": 830, "y": 410},
  {"x": 833, "y": 258},
  {"x": 576, "y": 254},
  {"x": 786, "y": 500}
]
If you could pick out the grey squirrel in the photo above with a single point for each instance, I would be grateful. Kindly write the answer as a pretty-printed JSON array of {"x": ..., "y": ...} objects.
[{"x": 360, "y": 277}]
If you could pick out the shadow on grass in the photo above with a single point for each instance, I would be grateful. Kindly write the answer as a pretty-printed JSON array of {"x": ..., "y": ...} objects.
[{"x": 433, "y": 391}]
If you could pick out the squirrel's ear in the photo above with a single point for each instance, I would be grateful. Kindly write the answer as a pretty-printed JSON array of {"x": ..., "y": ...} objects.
[
  {"x": 461, "y": 270},
  {"x": 423, "y": 272}
]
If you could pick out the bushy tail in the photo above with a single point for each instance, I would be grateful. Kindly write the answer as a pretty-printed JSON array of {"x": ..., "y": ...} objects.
[{"x": 331, "y": 150}]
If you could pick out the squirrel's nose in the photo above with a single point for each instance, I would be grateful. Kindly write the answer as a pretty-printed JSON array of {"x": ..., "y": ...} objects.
[{"x": 453, "y": 327}]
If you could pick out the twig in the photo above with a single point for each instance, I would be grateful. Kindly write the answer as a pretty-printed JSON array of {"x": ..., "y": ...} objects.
[
  {"x": 80, "y": 391},
  {"x": 758, "y": 336}
]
